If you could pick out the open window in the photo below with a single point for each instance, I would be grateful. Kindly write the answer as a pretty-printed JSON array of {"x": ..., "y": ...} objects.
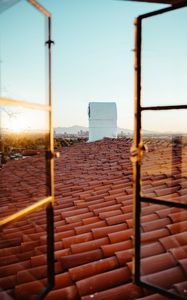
[
  {"x": 26, "y": 134},
  {"x": 160, "y": 141}
]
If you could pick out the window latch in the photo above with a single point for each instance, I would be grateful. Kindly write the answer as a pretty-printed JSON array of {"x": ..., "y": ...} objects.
[
  {"x": 136, "y": 152},
  {"x": 50, "y": 154}
]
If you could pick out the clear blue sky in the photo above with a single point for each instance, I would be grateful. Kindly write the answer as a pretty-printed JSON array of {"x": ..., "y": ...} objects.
[{"x": 93, "y": 59}]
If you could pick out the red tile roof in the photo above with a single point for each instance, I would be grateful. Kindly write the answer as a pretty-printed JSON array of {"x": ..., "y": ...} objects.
[{"x": 93, "y": 224}]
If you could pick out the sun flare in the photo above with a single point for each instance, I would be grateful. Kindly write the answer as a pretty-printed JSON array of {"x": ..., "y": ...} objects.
[{"x": 16, "y": 125}]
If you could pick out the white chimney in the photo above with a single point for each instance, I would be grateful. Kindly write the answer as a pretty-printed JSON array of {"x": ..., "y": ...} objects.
[{"x": 102, "y": 120}]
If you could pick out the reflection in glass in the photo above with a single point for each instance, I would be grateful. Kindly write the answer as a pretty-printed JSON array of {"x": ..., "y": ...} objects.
[
  {"x": 23, "y": 64},
  {"x": 164, "y": 59},
  {"x": 164, "y": 248},
  {"x": 24, "y": 170},
  {"x": 164, "y": 165},
  {"x": 23, "y": 257}
]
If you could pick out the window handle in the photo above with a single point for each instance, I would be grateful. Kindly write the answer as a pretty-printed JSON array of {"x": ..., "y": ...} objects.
[
  {"x": 137, "y": 152},
  {"x": 50, "y": 154}
]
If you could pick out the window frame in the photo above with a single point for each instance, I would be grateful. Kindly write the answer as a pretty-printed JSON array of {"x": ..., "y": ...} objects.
[
  {"x": 136, "y": 153},
  {"x": 47, "y": 202}
]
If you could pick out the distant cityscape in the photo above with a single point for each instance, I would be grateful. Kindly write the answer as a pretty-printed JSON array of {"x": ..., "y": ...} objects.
[{"x": 83, "y": 131}]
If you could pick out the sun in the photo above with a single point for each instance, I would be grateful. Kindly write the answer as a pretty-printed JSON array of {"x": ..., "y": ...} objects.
[{"x": 16, "y": 125}]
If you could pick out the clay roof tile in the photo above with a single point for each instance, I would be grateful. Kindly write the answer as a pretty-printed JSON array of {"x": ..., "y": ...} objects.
[
  {"x": 157, "y": 263},
  {"x": 126, "y": 291},
  {"x": 93, "y": 268},
  {"x": 165, "y": 278},
  {"x": 103, "y": 281},
  {"x": 67, "y": 293},
  {"x": 79, "y": 259}
]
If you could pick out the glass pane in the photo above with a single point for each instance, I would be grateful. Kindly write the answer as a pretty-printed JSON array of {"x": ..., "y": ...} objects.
[
  {"x": 164, "y": 59},
  {"x": 23, "y": 259},
  {"x": 23, "y": 64},
  {"x": 164, "y": 164},
  {"x": 24, "y": 170},
  {"x": 164, "y": 248}
]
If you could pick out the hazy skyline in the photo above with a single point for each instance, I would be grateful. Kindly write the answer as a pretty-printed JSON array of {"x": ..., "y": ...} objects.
[{"x": 93, "y": 59}]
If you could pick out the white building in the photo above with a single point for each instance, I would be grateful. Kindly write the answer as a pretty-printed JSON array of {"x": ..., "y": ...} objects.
[{"x": 102, "y": 120}]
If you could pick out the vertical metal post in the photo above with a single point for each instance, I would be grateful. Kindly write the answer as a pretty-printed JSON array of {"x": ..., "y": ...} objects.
[
  {"x": 51, "y": 142},
  {"x": 50, "y": 245},
  {"x": 137, "y": 147},
  {"x": 1, "y": 132},
  {"x": 50, "y": 210}
]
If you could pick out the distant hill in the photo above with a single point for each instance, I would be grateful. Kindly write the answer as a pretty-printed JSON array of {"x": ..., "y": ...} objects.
[{"x": 76, "y": 129}]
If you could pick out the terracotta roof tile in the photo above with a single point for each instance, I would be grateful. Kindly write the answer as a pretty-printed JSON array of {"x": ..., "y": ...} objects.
[
  {"x": 112, "y": 197},
  {"x": 165, "y": 278},
  {"x": 127, "y": 208},
  {"x": 151, "y": 209},
  {"x": 181, "y": 199},
  {"x": 23, "y": 290},
  {"x": 10, "y": 242},
  {"x": 127, "y": 291},
  {"x": 81, "y": 238},
  {"x": 157, "y": 263},
  {"x": 155, "y": 297},
  {"x": 151, "y": 249},
  {"x": 87, "y": 228},
  {"x": 178, "y": 216},
  {"x": 74, "y": 212},
  {"x": 90, "y": 245},
  {"x": 183, "y": 264},
  {"x": 38, "y": 260},
  {"x": 152, "y": 236},
  {"x": 180, "y": 252},
  {"x": 177, "y": 227},
  {"x": 101, "y": 204},
  {"x": 79, "y": 259},
  {"x": 67, "y": 227},
  {"x": 104, "y": 231},
  {"x": 109, "y": 250},
  {"x": 166, "y": 211},
  {"x": 8, "y": 282},
  {"x": 156, "y": 224},
  {"x": 93, "y": 268},
  {"x": 181, "y": 288},
  {"x": 149, "y": 217},
  {"x": 68, "y": 293},
  {"x": 78, "y": 218},
  {"x": 166, "y": 191},
  {"x": 108, "y": 208},
  {"x": 13, "y": 268},
  {"x": 61, "y": 252},
  {"x": 122, "y": 198},
  {"x": 90, "y": 220},
  {"x": 124, "y": 256},
  {"x": 31, "y": 274},
  {"x": 63, "y": 280},
  {"x": 107, "y": 214},
  {"x": 103, "y": 281},
  {"x": 120, "y": 236},
  {"x": 114, "y": 220},
  {"x": 174, "y": 241}
]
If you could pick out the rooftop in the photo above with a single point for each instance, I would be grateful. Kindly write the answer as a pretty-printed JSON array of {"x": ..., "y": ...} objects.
[{"x": 93, "y": 223}]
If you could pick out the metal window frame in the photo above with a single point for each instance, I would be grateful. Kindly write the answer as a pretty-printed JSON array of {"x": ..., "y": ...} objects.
[
  {"x": 48, "y": 202},
  {"x": 136, "y": 153}
]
